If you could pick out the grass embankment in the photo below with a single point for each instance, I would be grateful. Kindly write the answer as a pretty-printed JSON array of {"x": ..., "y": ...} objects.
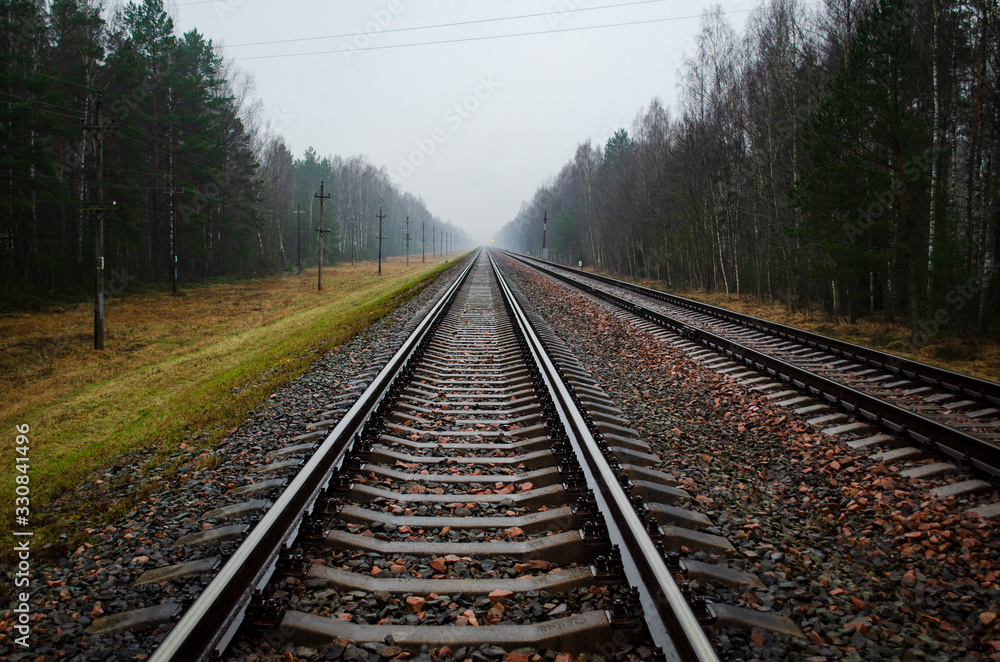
[
  {"x": 174, "y": 369},
  {"x": 979, "y": 357}
]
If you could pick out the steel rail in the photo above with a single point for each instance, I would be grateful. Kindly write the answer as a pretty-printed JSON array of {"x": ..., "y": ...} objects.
[
  {"x": 203, "y": 630},
  {"x": 939, "y": 377},
  {"x": 980, "y": 454},
  {"x": 672, "y": 624}
]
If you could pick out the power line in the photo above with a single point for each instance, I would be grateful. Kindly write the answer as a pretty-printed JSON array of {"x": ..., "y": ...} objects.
[
  {"x": 490, "y": 37},
  {"x": 446, "y": 25},
  {"x": 56, "y": 78},
  {"x": 75, "y": 115}
]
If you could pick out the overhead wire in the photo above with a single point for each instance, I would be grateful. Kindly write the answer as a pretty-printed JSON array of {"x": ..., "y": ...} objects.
[
  {"x": 483, "y": 38},
  {"x": 449, "y": 25},
  {"x": 180, "y": 154},
  {"x": 183, "y": 155},
  {"x": 74, "y": 114},
  {"x": 56, "y": 78},
  {"x": 71, "y": 113}
]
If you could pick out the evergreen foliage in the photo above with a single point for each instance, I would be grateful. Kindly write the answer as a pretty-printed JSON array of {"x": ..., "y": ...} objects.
[
  {"x": 843, "y": 155},
  {"x": 188, "y": 162}
]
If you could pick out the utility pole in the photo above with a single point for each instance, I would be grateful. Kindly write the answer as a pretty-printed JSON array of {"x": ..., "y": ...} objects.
[
  {"x": 173, "y": 229},
  {"x": 298, "y": 234},
  {"x": 321, "y": 231},
  {"x": 380, "y": 237},
  {"x": 423, "y": 241},
  {"x": 173, "y": 190},
  {"x": 545, "y": 227},
  {"x": 407, "y": 241},
  {"x": 433, "y": 242},
  {"x": 99, "y": 209}
]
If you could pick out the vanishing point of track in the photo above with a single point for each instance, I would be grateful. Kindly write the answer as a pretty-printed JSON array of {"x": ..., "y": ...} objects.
[{"x": 473, "y": 448}]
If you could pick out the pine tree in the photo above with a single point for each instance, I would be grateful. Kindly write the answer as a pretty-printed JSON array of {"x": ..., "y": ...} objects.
[
  {"x": 77, "y": 33},
  {"x": 27, "y": 118},
  {"x": 864, "y": 196}
]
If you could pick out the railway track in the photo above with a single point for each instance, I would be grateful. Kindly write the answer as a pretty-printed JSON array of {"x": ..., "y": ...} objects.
[
  {"x": 481, "y": 495},
  {"x": 484, "y": 498},
  {"x": 935, "y": 409}
]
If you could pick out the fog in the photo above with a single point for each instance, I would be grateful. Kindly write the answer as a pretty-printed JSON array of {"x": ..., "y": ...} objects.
[{"x": 469, "y": 105}]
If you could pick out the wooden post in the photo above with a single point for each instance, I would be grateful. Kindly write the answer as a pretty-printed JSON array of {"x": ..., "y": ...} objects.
[
  {"x": 99, "y": 209},
  {"x": 321, "y": 197},
  {"x": 380, "y": 237}
]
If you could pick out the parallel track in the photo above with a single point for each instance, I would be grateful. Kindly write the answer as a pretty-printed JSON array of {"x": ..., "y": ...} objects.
[
  {"x": 955, "y": 414},
  {"x": 468, "y": 448}
]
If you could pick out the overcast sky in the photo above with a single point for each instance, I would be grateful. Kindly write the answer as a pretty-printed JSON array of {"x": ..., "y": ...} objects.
[{"x": 471, "y": 125}]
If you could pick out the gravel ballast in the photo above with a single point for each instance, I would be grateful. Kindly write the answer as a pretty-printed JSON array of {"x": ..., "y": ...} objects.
[
  {"x": 867, "y": 563},
  {"x": 864, "y": 561},
  {"x": 172, "y": 496}
]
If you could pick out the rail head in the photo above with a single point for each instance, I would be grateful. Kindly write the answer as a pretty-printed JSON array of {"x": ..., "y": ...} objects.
[
  {"x": 978, "y": 453},
  {"x": 204, "y": 629},
  {"x": 928, "y": 374},
  {"x": 672, "y": 623}
]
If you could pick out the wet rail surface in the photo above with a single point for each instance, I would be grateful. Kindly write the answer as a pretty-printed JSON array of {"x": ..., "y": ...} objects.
[{"x": 481, "y": 493}]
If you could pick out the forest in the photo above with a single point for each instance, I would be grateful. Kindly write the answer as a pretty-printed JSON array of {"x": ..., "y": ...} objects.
[
  {"x": 192, "y": 173},
  {"x": 838, "y": 154}
]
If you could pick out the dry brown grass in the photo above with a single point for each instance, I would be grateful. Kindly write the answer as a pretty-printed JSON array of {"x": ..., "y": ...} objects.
[
  {"x": 979, "y": 357},
  {"x": 43, "y": 351},
  {"x": 174, "y": 368}
]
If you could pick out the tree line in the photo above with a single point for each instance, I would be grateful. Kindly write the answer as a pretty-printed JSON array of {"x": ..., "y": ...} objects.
[
  {"x": 840, "y": 155},
  {"x": 190, "y": 167}
]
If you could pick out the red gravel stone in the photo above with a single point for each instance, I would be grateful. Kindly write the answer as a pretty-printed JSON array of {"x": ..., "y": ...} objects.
[
  {"x": 415, "y": 603},
  {"x": 500, "y": 594}
]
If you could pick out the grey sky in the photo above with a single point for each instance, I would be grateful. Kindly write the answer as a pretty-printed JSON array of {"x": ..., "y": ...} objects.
[{"x": 472, "y": 127}]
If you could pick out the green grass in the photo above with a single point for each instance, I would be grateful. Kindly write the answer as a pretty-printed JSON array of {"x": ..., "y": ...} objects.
[{"x": 185, "y": 385}]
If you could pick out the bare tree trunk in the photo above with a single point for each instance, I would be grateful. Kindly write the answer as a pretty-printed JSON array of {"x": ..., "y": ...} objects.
[
  {"x": 935, "y": 127},
  {"x": 970, "y": 180},
  {"x": 989, "y": 235}
]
